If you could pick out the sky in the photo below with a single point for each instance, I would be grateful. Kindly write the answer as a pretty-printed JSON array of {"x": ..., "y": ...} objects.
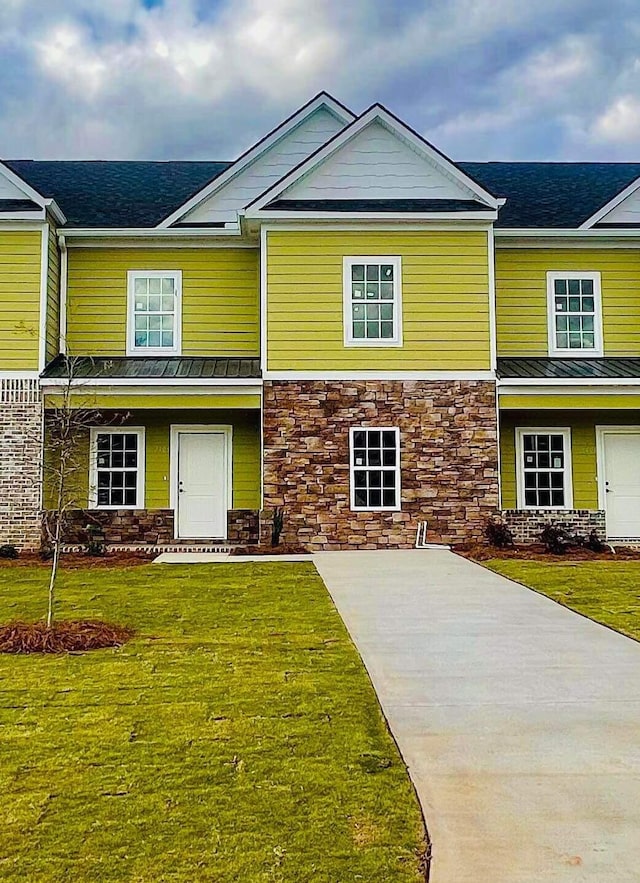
[{"x": 204, "y": 79}]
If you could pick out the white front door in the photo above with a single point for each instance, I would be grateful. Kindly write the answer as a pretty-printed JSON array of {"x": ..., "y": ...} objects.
[
  {"x": 621, "y": 482},
  {"x": 202, "y": 477}
]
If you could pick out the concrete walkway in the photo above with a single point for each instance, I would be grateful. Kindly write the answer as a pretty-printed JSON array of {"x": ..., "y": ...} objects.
[{"x": 518, "y": 719}]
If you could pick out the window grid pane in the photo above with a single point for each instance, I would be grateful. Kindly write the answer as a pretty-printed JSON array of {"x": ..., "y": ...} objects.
[
  {"x": 375, "y": 468},
  {"x": 543, "y": 466},
  {"x": 574, "y": 314},
  {"x": 117, "y": 469},
  {"x": 373, "y": 289},
  {"x": 154, "y": 310}
]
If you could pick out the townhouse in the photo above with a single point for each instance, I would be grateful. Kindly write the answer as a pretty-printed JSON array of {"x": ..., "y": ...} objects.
[{"x": 343, "y": 323}]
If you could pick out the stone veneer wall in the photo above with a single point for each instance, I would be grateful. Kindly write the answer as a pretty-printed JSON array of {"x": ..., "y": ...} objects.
[
  {"x": 449, "y": 459},
  {"x": 20, "y": 464},
  {"x": 150, "y": 526},
  {"x": 527, "y": 524}
]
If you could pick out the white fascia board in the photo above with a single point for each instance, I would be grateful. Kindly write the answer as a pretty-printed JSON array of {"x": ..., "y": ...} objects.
[
  {"x": 435, "y": 217},
  {"x": 323, "y": 100},
  {"x": 234, "y": 386},
  {"x": 565, "y": 233},
  {"x": 22, "y": 185},
  {"x": 595, "y": 386},
  {"x": 397, "y": 127},
  {"x": 379, "y": 375},
  {"x": 151, "y": 232},
  {"x": 56, "y": 211},
  {"x": 609, "y": 206},
  {"x": 19, "y": 375},
  {"x": 23, "y": 216}
]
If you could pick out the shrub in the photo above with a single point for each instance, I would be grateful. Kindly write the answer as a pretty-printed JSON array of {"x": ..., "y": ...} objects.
[
  {"x": 498, "y": 534},
  {"x": 9, "y": 551},
  {"x": 594, "y": 543},
  {"x": 95, "y": 544},
  {"x": 276, "y": 528},
  {"x": 556, "y": 539}
]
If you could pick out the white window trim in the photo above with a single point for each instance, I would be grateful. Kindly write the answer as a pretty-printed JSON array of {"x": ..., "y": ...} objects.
[
  {"x": 596, "y": 278},
  {"x": 565, "y": 432},
  {"x": 347, "y": 263},
  {"x": 132, "y": 349},
  {"x": 93, "y": 464},
  {"x": 353, "y": 467}
]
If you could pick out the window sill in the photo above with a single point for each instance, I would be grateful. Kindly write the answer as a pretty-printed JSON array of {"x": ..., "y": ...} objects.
[{"x": 576, "y": 354}]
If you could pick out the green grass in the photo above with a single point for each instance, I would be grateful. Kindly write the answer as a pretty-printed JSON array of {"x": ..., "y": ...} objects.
[
  {"x": 607, "y": 591},
  {"x": 237, "y": 738}
]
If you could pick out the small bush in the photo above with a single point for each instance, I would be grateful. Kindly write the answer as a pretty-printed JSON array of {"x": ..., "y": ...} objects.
[
  {"x": 498, "y": 534},
  {"x": 95, "y": 544},
  {"x": 556, "y": 539},
  {"x": 8, "y": 551},
  {"x": 594, "y": 543},
  {"x": 278, "y": 523}
]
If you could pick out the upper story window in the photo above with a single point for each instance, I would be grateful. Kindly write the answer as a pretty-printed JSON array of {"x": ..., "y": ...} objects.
[
  {"x": 575, "y": 320},
  {"x": 372, "y": 301},
  {"x": 154, "y": 312}
]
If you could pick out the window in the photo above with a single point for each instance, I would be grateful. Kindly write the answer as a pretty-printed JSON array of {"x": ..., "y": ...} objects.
[
  {"x": 574, "y": 314},
  {"x": 372, "y": 301},
  {"x": 375, "y": 469},
  {"x": 154, "y": 312},
  {"x": 544, "y": 468},
  {"x": 116, "y": 478}
]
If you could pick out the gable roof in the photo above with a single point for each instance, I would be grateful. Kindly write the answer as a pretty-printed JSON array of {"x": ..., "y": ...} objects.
[
  {"x": 116, "y": 193},
  {"x": 549, "y": 194},
  {"x": 321, "y": 102},
  {"x": 466, "y": 185}
]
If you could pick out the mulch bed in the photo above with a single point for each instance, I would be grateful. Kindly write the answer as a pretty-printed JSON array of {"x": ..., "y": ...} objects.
[
  {"x": 80, "y": 560},
  {"x": 536, "y": 552},
  {"x": 283, "y": 549},
  {"x": 66, "y": 636}
]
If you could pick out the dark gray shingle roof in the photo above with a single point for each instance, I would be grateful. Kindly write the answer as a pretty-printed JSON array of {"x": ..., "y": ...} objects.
[
  {"x": 117, "y": 194},
  {"x": 157, "y": 368},
  {"x": 141, "y": 194},
  {"x": 555, "y": 368},
  {"x": 551, "y": 194},
  {"x": 379, "y": 205}
]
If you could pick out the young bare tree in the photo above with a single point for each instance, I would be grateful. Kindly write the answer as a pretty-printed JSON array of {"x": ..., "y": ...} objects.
[{"x": 68, "y": 419}]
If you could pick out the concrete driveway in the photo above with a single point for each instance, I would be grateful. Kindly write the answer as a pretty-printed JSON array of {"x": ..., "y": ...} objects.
[{"x": 518, "y": 719}]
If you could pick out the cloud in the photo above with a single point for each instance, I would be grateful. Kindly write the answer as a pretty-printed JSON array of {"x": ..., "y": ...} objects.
[{"x": 205, "y": 78}]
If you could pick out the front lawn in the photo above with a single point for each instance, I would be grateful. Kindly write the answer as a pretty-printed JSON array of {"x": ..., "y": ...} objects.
[
  {"x": 236, "y": 738},
  {"x": 607, "y": 591}
]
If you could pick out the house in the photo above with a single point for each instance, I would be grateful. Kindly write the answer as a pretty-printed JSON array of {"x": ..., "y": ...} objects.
[{"x": 343, "y": 322}]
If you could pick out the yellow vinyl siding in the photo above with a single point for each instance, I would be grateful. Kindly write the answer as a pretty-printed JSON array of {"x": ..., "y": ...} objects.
[
  {"x": 53, "y": 297},
  {"x": 220, "y": 298},
  {"x": 20, "y": 268},
  {"x": 87, "y": 399},
  {"x": 584, "y": 402},
  {"x": 445, "y": 304},
  {"x": 245, "y": 454},
  {"x": 521, "y": 296},
  {"x": 583, "y": 448}
]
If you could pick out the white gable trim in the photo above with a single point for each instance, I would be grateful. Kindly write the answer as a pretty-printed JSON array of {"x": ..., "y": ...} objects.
[
  {"x": 23, "y": 187},
  {"x": 394, "y": 125},
  {"x": 29, "y": 193},
  {"x": 609, "y": 206},
  {"x": 323, "y": 100}
]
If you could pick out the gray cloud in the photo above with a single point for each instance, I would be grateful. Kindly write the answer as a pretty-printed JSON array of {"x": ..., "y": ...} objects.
[{"x": 483, "y": 79}]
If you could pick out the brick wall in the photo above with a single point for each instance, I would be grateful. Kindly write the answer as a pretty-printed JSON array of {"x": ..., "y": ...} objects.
[
  {"x": 149, "y": 526},
  {"x": 20, "y": 469},
  {"x": 526, "y": 524},
  {"x": 448, "y": 459}
]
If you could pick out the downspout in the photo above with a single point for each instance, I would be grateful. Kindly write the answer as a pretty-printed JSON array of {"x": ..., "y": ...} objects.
[{"x": 62, "y": 243}]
